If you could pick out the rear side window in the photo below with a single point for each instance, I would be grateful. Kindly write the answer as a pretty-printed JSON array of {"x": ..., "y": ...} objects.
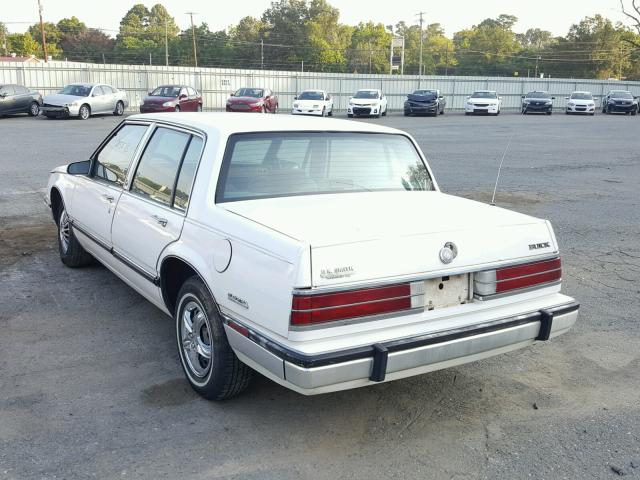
[
  {"x": 7, "y": 90},
  {"x": 278, "y": 164},
  {"x": 158, "y": 167},
  {"x": 20, "y": 90},
  {"x": 114, "y": 160},
  {"x": 192, "y": 92},
  {"x": 187, "y": 174}
]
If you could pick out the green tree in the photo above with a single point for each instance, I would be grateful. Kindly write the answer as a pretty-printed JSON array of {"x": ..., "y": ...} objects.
[
  {"x": 22, "y": 44},
  {"x": 4, "y": 32},
  {"x": 369, "y": 50},
  {"x": 327, "y": 38},
  {"x": 52, "y": 37}
]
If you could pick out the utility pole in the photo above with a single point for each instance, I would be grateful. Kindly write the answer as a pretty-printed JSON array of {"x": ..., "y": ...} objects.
[
  {"x": 370, "y": 55},
  {"x": 420, "y": 14},
  {"x": 261, "y": 54},
  {"x": 44, "y": 41},
  {"x": 166, "y": 42},
  {"x": 193, "y": 33}
]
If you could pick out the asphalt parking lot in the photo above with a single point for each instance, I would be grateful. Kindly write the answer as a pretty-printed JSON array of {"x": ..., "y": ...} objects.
[{"x": 91, "y": 385}]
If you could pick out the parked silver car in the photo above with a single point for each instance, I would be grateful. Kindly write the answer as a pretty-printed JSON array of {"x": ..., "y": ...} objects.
[{"x": 83, "y": 100}]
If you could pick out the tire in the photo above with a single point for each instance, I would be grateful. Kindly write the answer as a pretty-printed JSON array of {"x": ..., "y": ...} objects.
[
  {"x": 177, "y": 109},
  {"x": 406, "y": 113},
  {"x": 199, "y": 108},
  {"x": 85, "y": 112},
  {"x": 34, "y": 109},
  {"x": 550, "y": 112},
  {"x": 330, "y": 112},
  {"x": 275, "y": 109},
  {"x": 442, "y": 112},
  {"x": 350, "y": 115},
  {"x": 634, "y": 113},
  {"x": 71, "y": 252},
  {"x": 467, "y": 113},
  {"x": 324, "y": 112},
  {"x": 592, "y": 114},
  {"x": 200, "y": 332},
  {"x": 264, "y": 109},
  {"x": 384, "y": 114},
  {"x": 119, "y": 111}
]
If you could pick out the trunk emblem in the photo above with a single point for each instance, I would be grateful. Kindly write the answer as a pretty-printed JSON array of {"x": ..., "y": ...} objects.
[{"x": 448, "y": 252}]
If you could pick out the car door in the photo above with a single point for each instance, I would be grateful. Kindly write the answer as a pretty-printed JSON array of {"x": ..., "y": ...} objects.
[
  {"x": 268, "y": 99},
  {"x": 96, "y": 195},
  {"x": 151, "y": 211},
  {"x": 109, "y": 98},
  {"x": 7, "y": 99},
  {"x": 22, "y": 99},
  {"x": 183, "y": 100}
]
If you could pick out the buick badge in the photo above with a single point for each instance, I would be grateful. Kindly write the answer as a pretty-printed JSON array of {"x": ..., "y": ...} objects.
[{"x": 448, "y": 252}]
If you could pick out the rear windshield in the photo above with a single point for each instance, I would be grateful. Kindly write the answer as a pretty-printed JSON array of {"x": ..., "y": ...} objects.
[{"x": 276, "y": 164}]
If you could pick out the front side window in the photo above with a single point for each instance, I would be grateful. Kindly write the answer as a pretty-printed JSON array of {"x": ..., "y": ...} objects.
[
  {"x": 7, "y": 90},
  {"x": 275, "y": 164},
  {"x": 192, "y": 92},
  {"x": 114, "y": 160},
  {"x": 159, "y": 164}
]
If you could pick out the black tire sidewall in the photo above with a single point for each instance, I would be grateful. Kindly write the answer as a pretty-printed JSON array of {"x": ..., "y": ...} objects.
[{"x": 213, "y": 385}]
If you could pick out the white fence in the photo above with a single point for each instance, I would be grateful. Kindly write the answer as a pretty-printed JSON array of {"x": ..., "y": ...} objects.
[{"x": 216, "y": 83}]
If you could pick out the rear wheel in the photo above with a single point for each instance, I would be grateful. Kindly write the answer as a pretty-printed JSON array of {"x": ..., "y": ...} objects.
[
  {"x": 211, "y": 366},
  {"x": 71, "y": 252},
  {"x": 34, "y": 109},
  {"x": 119, "y": 111}
]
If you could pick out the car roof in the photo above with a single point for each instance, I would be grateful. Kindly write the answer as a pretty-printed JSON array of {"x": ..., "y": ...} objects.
[
  {"x": 227, "y": 123},
  {"x": 81, "y": 84},
  {"x": 368, "y": 90},
  {"x": 581, "y": 91},
  {"x": 488, "y": 91},
  {"x": 313, "y": 90}
]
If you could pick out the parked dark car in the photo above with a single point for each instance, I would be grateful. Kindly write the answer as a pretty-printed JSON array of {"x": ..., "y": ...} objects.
[
  {"x": 620, "y": 101},
  {"x": 172, "y": 98},
  {"x": 425, "y": 102},
  {"x": 261, "y": 100},
  {"x": 19, "y": 99},
  {"x": 537, "y": 102}
]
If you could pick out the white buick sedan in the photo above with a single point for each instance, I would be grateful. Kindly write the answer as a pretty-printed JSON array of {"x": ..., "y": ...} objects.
[{"x": 275, "y": 249}]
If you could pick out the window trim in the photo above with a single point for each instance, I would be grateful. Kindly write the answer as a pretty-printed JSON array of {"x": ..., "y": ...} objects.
[{"x": 231, "y": 139}]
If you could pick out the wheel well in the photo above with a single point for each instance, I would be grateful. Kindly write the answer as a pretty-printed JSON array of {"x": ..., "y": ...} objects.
[
  {"x": 56, "y": 203},
  {"x": 173, "y": 273}
]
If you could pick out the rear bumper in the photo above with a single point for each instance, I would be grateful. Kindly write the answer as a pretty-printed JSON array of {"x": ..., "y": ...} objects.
[{"x": 357, "y": 367}]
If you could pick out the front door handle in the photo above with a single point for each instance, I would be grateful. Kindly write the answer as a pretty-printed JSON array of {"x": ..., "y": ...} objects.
[
  {"x": 108, "y": 198},
  {"x": 160, "y": 220}
]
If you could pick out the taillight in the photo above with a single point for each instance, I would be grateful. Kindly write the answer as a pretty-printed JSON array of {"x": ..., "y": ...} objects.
[
  {"x": 311, "y": 309},
  {"x": 501, "y": 280}
]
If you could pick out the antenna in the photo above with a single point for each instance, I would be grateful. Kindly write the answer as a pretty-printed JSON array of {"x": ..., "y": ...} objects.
[{"x": 504, "y": 154}]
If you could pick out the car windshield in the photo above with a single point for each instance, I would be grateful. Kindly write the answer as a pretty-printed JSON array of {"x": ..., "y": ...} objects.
[
  {"x": 626, "y": 95},
  {"x": 544, "y": 95},
  {"x": 426, "y": 93},
  {"x": 581, "y": 96},
  {"x": 76, "y": 90},
  {"x": 167, "y": 91},
  {"x": 311, "y": 96},
  {"x": 275, "y": 164},
  {"x": 249, "y": 92},
  {"x": 366, "y": 94},
  {"x": 484, "y": 95}
]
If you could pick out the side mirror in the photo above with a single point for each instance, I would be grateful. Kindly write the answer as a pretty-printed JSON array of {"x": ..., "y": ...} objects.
[
  {"x": 182, "y": 97},
  {"x": 441, "y": 97},
  {"x": 3, "y": 95},
  {"x": 350, "y": 97},
  {"x": 522, "y": 96},
  {"x": 79, "y": 168},
  {"x": 295, "y": 98},
  {"x": 553, "y": 98},
  {"x": 566, "y": 98}
]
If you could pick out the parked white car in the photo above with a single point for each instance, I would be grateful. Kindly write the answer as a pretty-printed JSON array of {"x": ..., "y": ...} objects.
[
  {"x": 370, "y": 102},
  {"x": 276, "y": 249},
  {"x": 313, "y": 102},
  {"x": 83, "y": 100},
  {"x": 483, "y": 101},
  {"x": 581, "y": 102}
]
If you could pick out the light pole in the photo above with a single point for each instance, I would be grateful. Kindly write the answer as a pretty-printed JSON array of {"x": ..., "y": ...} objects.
[
  {"x": 193, "y": 34},
  {"x": 44, "y": 41},
  {"x": 420, "y": 61}
]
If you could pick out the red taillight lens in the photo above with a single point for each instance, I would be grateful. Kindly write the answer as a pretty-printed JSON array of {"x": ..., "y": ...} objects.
[
  {"x": 314, "y": 309},
  {"x": 506, "y": 279}
]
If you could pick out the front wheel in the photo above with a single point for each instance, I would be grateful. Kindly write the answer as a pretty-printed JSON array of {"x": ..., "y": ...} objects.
[
  {"x": 350, "y": 115},
  {"x": 199, "y": 108},
  {"x": 324, "y": 112},
  {"x": 34, "y": 109},
  {"x": 384, "y": 114},
  {"x": 84, "y": 113},
  {"x": 71, "y": 252},
  {"x": 211, "y": 366},
  {"x": 177, "y": 109}
]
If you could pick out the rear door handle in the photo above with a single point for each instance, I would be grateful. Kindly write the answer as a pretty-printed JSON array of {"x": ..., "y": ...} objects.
[
  {"x": 108, "y": 198},
  {"x": 160, "y": 220}
]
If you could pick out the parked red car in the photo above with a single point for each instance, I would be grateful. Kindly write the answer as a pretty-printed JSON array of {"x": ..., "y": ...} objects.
[
  {"x": 172, "y": 98},
  {"x": 260, "y": 100}
]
